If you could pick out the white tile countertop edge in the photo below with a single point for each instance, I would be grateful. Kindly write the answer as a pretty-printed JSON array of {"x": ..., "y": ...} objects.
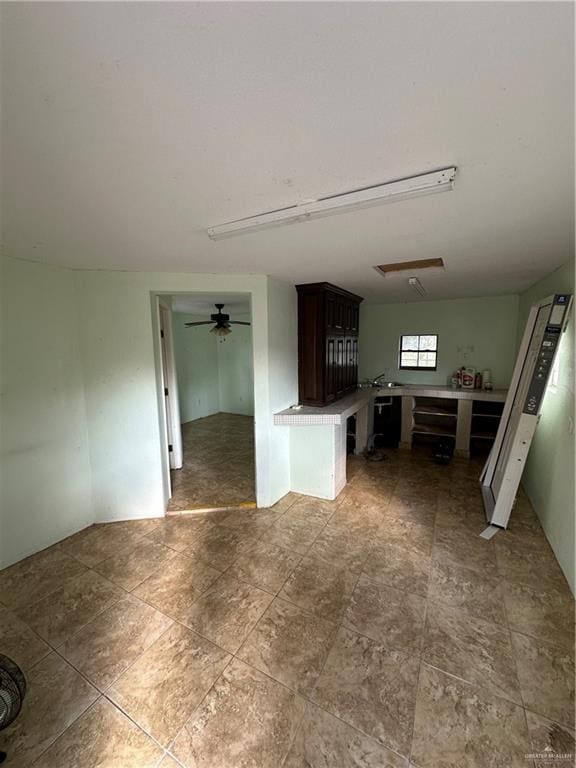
[{"x": 337, "y": 413}]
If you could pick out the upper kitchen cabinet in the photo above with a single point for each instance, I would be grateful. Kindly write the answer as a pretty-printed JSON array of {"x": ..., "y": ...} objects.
[{"x": 328, "y": 320}]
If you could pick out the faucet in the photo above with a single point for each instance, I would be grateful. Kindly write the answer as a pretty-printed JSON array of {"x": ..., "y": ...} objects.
[{"x": 376, "y": 379}]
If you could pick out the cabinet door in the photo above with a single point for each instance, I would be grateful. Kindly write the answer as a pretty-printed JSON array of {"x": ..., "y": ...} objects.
[
  {"x": 348, "y": 364},
  {"x": 340, "y": 368},
  {"x": 331, "y": 368},
  {"x": 354, "y": 317},
  {"x": 354, "y": 364}
]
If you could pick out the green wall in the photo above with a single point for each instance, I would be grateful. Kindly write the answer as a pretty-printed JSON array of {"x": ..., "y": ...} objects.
[
  {"x": 196, "y": 354},
  {"x": 473, "y": 332},
  {"x": 46, "y": 491},
  {"x": 236, "y": 370},
  {"x": 549, "y": 473}
]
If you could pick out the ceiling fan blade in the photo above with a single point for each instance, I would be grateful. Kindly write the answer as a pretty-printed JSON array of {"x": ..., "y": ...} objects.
[
  {"x": 200, "y": 322},
  {"x": 239, "y": 322}
]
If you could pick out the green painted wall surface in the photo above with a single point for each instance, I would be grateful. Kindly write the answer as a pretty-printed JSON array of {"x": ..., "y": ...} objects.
[
  {"x": 549, "y": 473},
  {"x": 472, "y": 332},
  {"x": 46, "y": 479},
  {"x": 195, "y": 350},
  {"x": 236, "y": 370},
  {"x": 214, "y": 375}
]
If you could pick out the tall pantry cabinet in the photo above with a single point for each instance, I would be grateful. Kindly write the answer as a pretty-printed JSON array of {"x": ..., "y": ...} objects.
[{"x": 327, "y": 343}]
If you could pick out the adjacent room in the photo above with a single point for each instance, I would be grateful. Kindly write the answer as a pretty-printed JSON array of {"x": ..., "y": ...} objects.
[
  {"x": 287, "y": 414},
  {"x": 213, "y": 371}
]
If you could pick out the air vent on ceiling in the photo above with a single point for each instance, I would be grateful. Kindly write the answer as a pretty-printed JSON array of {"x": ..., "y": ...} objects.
[{"x": 389, "y": 270}]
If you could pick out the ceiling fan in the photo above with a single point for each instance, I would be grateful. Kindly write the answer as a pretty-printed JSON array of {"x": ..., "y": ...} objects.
[{"x": 222, "y": 322}]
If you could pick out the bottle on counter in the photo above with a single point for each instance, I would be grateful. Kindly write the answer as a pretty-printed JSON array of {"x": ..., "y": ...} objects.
[{"x": 478, "y": 381}]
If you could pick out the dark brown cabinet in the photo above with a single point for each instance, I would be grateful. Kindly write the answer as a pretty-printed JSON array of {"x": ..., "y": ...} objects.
[{"x": 327, "y": 343}]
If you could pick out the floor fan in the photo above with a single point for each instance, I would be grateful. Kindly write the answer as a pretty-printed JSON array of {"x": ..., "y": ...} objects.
[{"x": 12, "y": 692}]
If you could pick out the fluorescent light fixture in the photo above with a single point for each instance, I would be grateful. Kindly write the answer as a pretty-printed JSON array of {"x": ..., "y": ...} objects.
[
  {"x": 417, "y": 286},
  {"x": 394, "y": 191}
]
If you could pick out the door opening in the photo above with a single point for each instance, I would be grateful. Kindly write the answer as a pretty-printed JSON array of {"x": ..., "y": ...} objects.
[{"x": 209, "y": 348}]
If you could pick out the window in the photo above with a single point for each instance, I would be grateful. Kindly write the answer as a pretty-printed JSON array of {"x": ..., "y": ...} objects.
[{"x": 418, "y": 353}]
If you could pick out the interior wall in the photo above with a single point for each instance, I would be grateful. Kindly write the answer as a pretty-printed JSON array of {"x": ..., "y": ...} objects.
[
  {"x": 282, "y": 377},
  {"x": 549, "y": 473},
  {"x": 46, "y": 480},
  {"x": 236, "y": 370},
  {"x": 196, "y": 354},
  {"x": 119, "y": 342},
  {"x": 472, "y": 332}
]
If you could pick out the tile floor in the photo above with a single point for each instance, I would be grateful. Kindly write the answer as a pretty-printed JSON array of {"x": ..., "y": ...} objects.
[
  {"x": 377, "y": 631},
  {"x": 218, "y": 468}
]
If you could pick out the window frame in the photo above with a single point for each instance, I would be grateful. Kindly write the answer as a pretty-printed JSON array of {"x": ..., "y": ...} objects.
[{"x": 429, "y": 351}]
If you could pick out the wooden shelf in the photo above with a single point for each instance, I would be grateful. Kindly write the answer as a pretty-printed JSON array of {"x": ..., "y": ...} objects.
[
  {"x": 487, "y": 415},
  {"x": 434, "y": 410},
  {"x": 432, "y": 429},
  {"x": 483, "y": 436}
]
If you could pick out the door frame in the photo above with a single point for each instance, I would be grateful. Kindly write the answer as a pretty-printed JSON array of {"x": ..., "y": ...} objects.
[{"x": 169, "y": 384}]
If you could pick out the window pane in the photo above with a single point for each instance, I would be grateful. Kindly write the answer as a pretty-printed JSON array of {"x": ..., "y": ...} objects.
[
  {"x": 409, "y": 359},
  {"x": 428, "y": 342},
  {"x": 427, "y": 359},
  {"x": 409, "y": 342}
]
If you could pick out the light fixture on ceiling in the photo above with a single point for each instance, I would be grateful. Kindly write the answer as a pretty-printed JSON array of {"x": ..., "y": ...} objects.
[
  {"x": 416, "y": 286},
  {"x": 391, "y": 192},
  {"x": 222, "y": 322},
  {"x": 397, "y": 268}
]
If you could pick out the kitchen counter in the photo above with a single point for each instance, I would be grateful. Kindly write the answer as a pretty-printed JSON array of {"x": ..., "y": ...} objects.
[
  {"x": 338, "y": 412},
  {"x": 318, "y": 446}
]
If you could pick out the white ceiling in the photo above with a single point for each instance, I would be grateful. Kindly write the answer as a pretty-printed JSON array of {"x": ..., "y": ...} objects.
[
  {"x": 128, "y": 128},
  {"x": 203, "y": 303}
]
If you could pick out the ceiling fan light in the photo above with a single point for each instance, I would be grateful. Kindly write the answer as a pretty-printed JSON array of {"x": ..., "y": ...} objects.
[{"x": 221, "y": 330}]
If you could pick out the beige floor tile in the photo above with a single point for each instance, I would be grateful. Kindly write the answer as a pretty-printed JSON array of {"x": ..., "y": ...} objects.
[
  {"x": 227, "y": 612},
  {"x": 320, "y": 588},
  {"x": 294, "y": 534},
  {"x": 404, "y": 533},
  {"x": 221, "y": 546},
  {"x": 458, "y": 546},
  {"x": 131, "y": 569},
  {"x": 246, "y": 720},
  {"x": 109, "y": 644},
  {"x": 169, "y": 762},
  {"x": 286, "y": 502},
  {"x": 543, "y": 613},
  {"x": 55, "y": 697},
  {"x": 102, "y": 738},
  {"x": 553, "y": 744},
  {"x": 546, "y": 674},
  {"x": 175, "y": 587},
  {"x": 36, "y": 577},
  {"x": 19, "y": 642},
  {"x": 534, "y": 566},
  {"x": 324, "y": 741},
  {"x": 339, "y": 544},
  {"x": 71, "y": 607},
  {"x": 162, "y": 688},
  {"x": 468, "y": 590},
  {"x": 312, "y": 510},
  {"x": 99, "y": 542},
  {"x": 399, "y": 567},
  {"x": 387, "y": 615},
  {"x": 289, "y": 645},
  {"x": 182, "y": 531},
  {"x": 371, "y": 688},
  {"x": 413, "y": 510},
  {"x": 265, "y": 566},
  {"x": 457, "y": 726},
  {"x": 475, "y": 650},
  {"x": 253, "y": 522}
]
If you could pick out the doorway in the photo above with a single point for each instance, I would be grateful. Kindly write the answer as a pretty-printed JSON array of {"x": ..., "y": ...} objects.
[{"x": 213, "y": 379}]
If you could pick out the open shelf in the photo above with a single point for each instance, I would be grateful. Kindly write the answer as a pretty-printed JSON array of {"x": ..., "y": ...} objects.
[
  {"x": 434, "y": 410},
  {"x": 487, "y": 415},
  {"x": 483, "y": 435},
  {"x": 433, "y": 429}
]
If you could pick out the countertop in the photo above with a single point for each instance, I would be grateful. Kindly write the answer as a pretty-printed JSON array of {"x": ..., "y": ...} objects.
[{"x": 337, "y": 413}]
